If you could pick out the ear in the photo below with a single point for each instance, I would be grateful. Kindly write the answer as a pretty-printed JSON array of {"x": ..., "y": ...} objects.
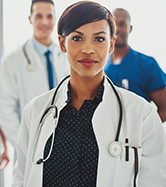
[
  {"x": 30, "y": 19},
  {"x": 62, "y": 43},
  {"x": 112, "y": 44},
  {"x": 131, "y": 28}
]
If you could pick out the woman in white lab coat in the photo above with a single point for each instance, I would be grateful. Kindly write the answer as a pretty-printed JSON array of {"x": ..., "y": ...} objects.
[{"x": 89, "y": 132}]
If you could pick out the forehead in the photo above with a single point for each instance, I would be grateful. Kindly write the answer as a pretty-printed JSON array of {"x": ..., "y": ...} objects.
[
  {"x": 121, "y": 15},
  {"x": 94, "y": 27},
  {"x": 43, "y": 7}
]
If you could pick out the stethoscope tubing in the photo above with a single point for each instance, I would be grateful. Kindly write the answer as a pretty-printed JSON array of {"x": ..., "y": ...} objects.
[
  {"x": 117, "y": 96},
  {"x": 25, "y": 53},
  {"x": 42, "y": 160},
  {"x": 120, "y": 109},
  {"x": 56, "y": 114},
  {"x": 38, "y": 133},
  {"x": 53, "y": 98},
  {"x": 30, "y": 67}
]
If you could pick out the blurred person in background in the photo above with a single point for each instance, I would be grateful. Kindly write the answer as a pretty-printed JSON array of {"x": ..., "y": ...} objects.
[
  {"x": 33, "y": 69},
  {"x": 135, "y": 71}
]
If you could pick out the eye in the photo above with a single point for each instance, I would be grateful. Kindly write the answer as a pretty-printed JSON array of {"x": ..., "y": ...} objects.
[
  {"x": 99, "y": 39},
  {"x": 38, "y": 16},
  {"x": 50, "y": 16},
  {"x": 77, "y": 38},
  {"x": 122, "y": 24}
]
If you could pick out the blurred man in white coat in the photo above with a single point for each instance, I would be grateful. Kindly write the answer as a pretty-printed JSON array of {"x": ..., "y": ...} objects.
[{"x": 33, "y": 69}]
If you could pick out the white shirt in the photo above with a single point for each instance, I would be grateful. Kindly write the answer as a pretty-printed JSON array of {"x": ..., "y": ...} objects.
[{"x": 42, "y": 49}]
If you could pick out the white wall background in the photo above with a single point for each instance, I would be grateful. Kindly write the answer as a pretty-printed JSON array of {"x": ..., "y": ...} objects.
[{"x": 148, "y": 19}]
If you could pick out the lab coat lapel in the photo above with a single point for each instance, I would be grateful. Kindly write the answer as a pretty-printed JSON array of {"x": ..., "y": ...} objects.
[{"x": 105, "y": 122}]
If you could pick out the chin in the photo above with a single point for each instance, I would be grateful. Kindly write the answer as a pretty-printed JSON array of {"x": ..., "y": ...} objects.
[
  {"x": 92, "y": 75},
  {"x": 119, "y": 45}
]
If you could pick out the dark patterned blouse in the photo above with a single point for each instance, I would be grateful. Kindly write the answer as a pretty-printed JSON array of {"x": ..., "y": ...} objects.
[{"x": 74, "y": 158}]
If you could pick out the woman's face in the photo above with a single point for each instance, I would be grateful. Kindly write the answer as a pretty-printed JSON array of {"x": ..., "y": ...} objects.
[{"x": 87, "y": 48}]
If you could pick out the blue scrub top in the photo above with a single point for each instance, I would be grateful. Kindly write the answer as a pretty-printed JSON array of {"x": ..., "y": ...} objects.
[{"x": 138, "y": 73}]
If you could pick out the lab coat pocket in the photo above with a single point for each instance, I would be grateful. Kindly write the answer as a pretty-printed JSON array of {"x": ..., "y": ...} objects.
[{"x": 128, "y": 170}]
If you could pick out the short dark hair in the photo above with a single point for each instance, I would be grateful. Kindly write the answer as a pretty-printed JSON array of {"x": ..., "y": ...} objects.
[
  {"x": 81, "y": 13},
  {"x": 33, "y": 2}
]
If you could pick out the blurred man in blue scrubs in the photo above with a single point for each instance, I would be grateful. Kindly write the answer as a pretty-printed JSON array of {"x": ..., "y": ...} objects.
[{"x": 135, "y": 71}]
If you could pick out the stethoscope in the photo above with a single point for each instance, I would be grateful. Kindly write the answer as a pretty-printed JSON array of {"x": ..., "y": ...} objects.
[
  {"x": 115, "y": 148},
  {"x": 30, "y": 66}
]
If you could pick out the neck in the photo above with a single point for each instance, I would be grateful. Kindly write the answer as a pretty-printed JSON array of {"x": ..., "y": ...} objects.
[
  {"x": 84, "y": 89},
  {"x": 119, "y": 53},
  {"x": 45, "y": 41}
]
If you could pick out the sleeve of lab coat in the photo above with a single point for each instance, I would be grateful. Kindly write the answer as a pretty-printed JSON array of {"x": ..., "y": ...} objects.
[
  {"x": 153, "y": 160},
  {"x": 22, "y": 148},
  {"x": 9, "y": 103}
]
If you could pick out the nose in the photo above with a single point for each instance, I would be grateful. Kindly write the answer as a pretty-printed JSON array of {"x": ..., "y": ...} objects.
[
  {"x": 45, "y": 21},
  {"x": 88, "y": 48}
]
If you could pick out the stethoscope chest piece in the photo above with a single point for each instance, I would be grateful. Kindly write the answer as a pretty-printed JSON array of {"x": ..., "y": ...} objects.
[
  {"x": 31, "y": 67},
  {"x": 115, "y": 149}
]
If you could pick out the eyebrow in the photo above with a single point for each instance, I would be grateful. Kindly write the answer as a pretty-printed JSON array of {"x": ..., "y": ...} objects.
[
  {"x": 101, "y": 32},
  {"x": 95, "y": 34}
]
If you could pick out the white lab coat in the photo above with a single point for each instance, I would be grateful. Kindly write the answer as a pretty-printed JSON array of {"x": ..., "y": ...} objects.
[
  {"x": 18, "y": 85},
  {"x": 141, "y": 124}
]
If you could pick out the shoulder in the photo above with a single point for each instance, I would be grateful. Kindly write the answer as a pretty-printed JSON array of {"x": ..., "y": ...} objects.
[
  {"x": 10, "y": 62},
  {"x": 133, "y": 103},
  {"x": 15, "y": 56},
  {"x": 38, "y": 105},
  {"x": 140, "y": 57},
  {"x": 41, "y": 100},
  {"x": 135, "y": 108},
  {"x": 129, "y": 99}
]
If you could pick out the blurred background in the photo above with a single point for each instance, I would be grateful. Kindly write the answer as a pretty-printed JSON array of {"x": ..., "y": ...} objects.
[{"x": 148, "y": 18}]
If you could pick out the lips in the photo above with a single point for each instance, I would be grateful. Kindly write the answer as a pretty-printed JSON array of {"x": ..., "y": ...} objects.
[{"x": 87, "y": 62}]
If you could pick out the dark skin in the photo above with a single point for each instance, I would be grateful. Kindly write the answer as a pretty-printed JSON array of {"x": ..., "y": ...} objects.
[
  {"x": 124, "y": 28},
  {"x": 90, "y": 41}
]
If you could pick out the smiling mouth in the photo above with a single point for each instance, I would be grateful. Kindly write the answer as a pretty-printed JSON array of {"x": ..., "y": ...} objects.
[
  {"x": 44, "y": 28},
  {"x": 87, "y": 62}
]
